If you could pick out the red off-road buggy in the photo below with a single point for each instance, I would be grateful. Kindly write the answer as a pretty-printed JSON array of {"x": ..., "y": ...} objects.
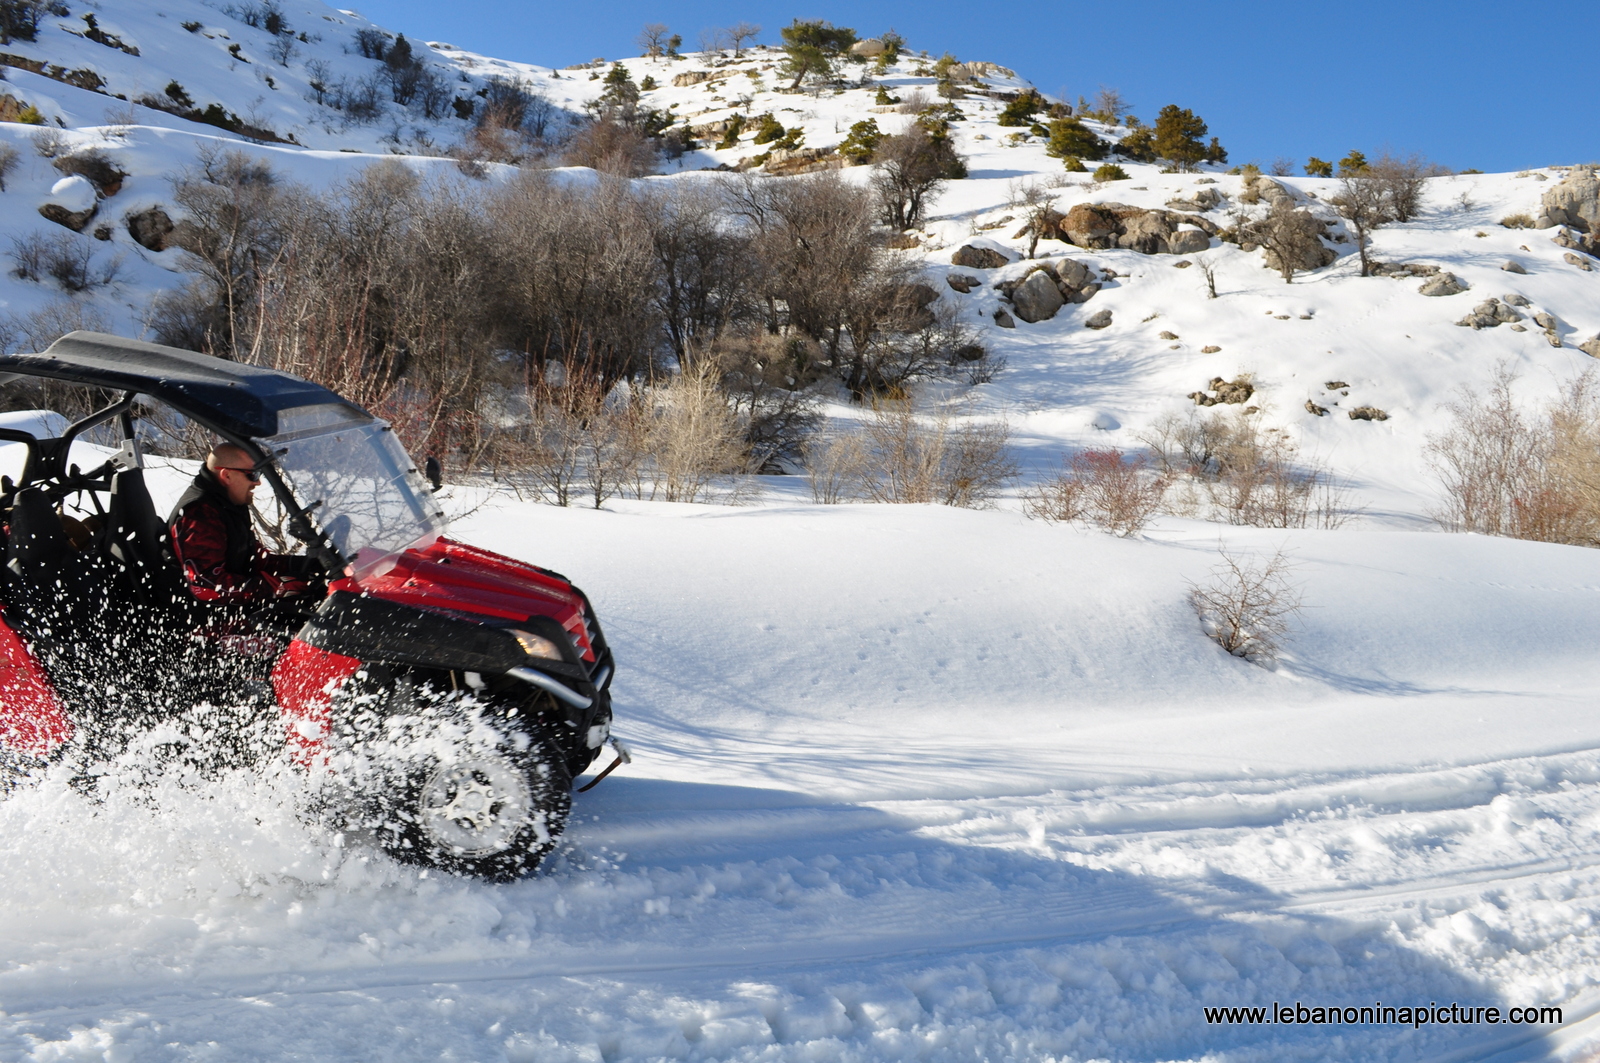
[{"x": 447, "y": 696}]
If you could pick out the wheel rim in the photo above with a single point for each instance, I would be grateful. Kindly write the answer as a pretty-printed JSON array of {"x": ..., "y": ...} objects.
[{"x": 477, "y": 805}]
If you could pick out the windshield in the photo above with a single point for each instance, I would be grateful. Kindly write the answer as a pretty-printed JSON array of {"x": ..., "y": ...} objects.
[{"x": 356, "y": 480}]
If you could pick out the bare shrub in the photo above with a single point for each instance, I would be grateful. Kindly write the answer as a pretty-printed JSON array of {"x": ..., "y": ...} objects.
[
  {"x": 1248, "y": 604},
  {"x": 766, "y": 380},
  {"x": 1291, "y": 235},
  {"x": 1518, "y": 221},
  {"x": 833, "y": 462},
  {"x": 66, "y": 258},
  {"x": 49, "y": 143},
  {"x": 612, "y": 148},
  {"x": 694, "y": 441},
  {"x": 9, "y": 158},
  {"x": 909, "y": 458},
  {"x": 1105, "y": 488},
  {"x": 1526, "y": 475},
  {"x": 39, "y": 329},
  {"x": 1246, "y": 474}
]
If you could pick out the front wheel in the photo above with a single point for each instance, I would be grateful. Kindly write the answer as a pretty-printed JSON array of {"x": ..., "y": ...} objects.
[
  {"x": 491, "y": 812},
  {"x": 444, "y": 779}
]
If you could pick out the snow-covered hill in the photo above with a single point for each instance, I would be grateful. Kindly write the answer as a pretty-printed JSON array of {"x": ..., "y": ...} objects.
[
  {"x": 913, "y": 782},
  {"x": 1397, "y": 350}
]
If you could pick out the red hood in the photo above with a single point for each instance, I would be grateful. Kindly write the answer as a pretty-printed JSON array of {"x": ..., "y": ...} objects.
[{"x": 452, "y": 575}]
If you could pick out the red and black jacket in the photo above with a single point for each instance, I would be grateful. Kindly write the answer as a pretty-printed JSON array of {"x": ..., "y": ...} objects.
[{"x": 216, "y": 543}]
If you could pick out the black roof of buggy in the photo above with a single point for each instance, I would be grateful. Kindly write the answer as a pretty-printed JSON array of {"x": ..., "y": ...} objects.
[{"x": 237, "y": 399}]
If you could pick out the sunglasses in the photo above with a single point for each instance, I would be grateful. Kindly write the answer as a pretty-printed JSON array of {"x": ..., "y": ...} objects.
[{"x": 253, "y": 475}]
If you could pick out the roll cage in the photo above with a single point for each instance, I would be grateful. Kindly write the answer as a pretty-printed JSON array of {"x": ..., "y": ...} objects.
[{"x": 240, "y": 403}]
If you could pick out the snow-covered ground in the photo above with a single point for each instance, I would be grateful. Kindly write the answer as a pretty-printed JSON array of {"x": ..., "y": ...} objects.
[{"x": 911, "y": 782}]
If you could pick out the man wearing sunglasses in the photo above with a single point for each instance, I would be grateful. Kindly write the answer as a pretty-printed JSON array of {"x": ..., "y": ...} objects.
[{"x": 214, "y": 538}]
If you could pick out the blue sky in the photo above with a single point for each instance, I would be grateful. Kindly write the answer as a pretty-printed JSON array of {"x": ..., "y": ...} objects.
[{"x": 1495, "y": 86}]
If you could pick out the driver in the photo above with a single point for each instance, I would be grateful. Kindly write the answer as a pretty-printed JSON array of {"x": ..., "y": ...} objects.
[{"x": 215, "y": 539}]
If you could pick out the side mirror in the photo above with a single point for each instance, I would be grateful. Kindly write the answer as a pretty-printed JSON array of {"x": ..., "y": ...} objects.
[{"x": 434, "y": 472}]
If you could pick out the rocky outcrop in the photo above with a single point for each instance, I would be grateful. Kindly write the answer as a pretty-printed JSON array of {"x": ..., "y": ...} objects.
[
  {"x": 1203, "y": 200},
  {"x": 1443, "y": 283},
  {"x": 1048, "y": 287},
  {"x": 1402, "y": 270},
  {"x": 93, "y": 166},
  {"x": 1148, "y": 231},
  {"x": 1258, "y": 188},
  {"x": 1490, "y": 314},
  {"x": 1591, "y": 347},
  {"x": 787, "y": 162},
  {"x": 1187, "y": 242},
  {"x": 1224, "y": 392},
  {"x": 695, "y": 77},
  {"x": 1588, "y": 243},
  {"x": 1285, "y": 231},
  {"x": 975, "y": 257},
  {"x": 1368, "y": 413},
  {"x": 869, "y": 48},
  {"x": 1575, "y": 201},
  {"x": 1038, "y": 297},
  {"x": 1574, "y": 259}
]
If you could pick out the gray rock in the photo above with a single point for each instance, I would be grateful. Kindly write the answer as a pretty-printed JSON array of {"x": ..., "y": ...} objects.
[
  {"x": 1545, "y": 321},
  {"x": 1519, "y": 328},
  {"x": 1591, "y": 347},
  {"x": 1368, "y": 413},
  {"x": 1443, "y": 283},
  {"x": 1169, "y": 335},
  {"x": 1576, "y": 200},
  {"x": 1099, "y": 321},
  {"x": 1072, "y": 273},
  {"x": 1513, "y": 266},
  {"x": 1203, "y": 200},
  {"x": 1084, "y": 294},
  {"x": 1003, "y": 319},
  {"x": 1504, "y": 313},
  {"x": 1574, "y": 259},
  {"x": 1555, "y": 340},
  {"x": 961, "y": 282},
  {"x": 1320, "y": 411},
  {"x": 1516, "y": 300},
  {"x": 978, "y": 257},
  {"x": 1187, "y": 242},
  {"x": 150, "y": 228},
  {"x": 1037, "y": 298}
]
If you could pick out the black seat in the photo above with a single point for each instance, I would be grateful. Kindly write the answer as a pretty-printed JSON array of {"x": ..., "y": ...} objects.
[
  {"x": 136, "y": 538},
  {"x": 38, "y": 548}
]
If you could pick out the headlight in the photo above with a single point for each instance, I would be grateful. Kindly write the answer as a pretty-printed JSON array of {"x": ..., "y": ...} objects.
[{"x": 537, "y": 645}]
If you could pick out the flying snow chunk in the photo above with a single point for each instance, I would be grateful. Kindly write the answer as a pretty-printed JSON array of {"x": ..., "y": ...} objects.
[{"x": 73, "y": 193}]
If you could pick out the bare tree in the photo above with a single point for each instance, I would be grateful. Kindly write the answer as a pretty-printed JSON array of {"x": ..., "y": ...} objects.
[
  {"x": 908, "y": 172},
  {"x": 652, "y": 40},
  {"x": 1248, "y": 604},
  {"x": 1367, "y": 202},
  {"x": 283, "y": 49},
  {"x": 1109, "y": 105},
  {"x": 1404, "y": 180},
  {"x": 713, "y": 39},
  {"x": 1208, "y": 270},
  {"x": 740, "y": 32}
]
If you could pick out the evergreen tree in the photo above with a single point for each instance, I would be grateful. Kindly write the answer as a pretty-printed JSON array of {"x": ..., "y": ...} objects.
[
  {"x": 1178, "y": 134},
  {"x": 812, "y": 47},
  {"x": 1071, "y": 139}
]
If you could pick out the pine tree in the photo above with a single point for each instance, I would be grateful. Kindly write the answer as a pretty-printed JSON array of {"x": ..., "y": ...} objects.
[{"x": 1178, "y": 134}]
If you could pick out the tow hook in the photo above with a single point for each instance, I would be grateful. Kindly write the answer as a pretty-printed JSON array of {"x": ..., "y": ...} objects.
[{"x": 624, "y": 756}]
